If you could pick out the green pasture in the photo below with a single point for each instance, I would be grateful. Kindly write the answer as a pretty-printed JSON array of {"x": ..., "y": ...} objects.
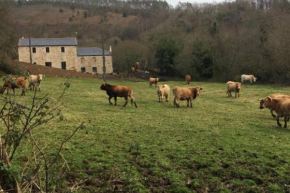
[{"x": 220, "y": 145}]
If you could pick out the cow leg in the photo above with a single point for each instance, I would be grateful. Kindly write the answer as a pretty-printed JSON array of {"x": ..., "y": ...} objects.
[
  {"x": 272, "y": 113},
  {"x": 110, "y": 100},
  {"x": 126, "y": 99},
  {"x": 176, "y": 103},
  {"x": 285, "y": 121},
  {"x": 278, "y": 123},
  {"x": 115, "y": 99},
  {"x": 23, "y": 92},
  {"x": 159, "y": 98},
  {"x": 167, "y": 98},
  {"x": 187, "y": 103}
]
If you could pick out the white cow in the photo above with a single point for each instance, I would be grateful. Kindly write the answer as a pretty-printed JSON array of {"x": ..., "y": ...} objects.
[
  {"x": 34, "y": 81},
  {"x": 249, "y": 77},
  {"x": 163, "y": 91}
]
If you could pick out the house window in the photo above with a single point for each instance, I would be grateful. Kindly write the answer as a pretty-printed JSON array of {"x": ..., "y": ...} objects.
[
  {"x": 62, "y": 49},
  {"x": 83, "y": 69},
  {"x": 82, "y": 60},
  {"x": 94, "y": 69},
  {"x": 94, "y": 59},
  {"x": 33, "y": 50},
  {"x": 63, "y": 65},
  {"x": 47, "y": 49},
  {"x": 48, "y": 64}
]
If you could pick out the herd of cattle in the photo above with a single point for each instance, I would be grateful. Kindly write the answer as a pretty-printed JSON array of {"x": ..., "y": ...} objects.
[{"x": 279, "y": 103}]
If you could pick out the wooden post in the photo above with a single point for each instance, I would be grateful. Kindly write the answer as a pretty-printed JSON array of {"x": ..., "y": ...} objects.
[
  {"x": 30, "y": 56},
  {"x": 104, "y": 60}
]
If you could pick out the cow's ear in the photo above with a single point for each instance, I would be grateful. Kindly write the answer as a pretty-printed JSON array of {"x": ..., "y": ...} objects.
[
  {"x": 200, "y": 88},
  {"x": 269, "y": 98}
]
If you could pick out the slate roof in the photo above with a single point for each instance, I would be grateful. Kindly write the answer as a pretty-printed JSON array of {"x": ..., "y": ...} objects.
[
  {"x": 91, "y": 51},
  {"x": 23, "y": 42}
]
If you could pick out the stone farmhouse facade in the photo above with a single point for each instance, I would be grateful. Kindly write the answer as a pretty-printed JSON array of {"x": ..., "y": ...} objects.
[{"x": 64, "y": 53}]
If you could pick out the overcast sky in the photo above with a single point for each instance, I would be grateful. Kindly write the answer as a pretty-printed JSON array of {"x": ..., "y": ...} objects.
[{"x": 175, "y": 2}]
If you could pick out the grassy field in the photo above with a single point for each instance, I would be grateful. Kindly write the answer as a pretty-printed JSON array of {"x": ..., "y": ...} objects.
[{"x": 220, "y": 145}]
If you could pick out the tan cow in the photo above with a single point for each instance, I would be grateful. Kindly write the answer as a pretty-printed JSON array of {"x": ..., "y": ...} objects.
[
  {"x": 275, "y": 96},
  {"x": 153, "y": 81},
  {"x": 163, "y": 91},
  {"x": 233, "y": 87},
  {"x": 187, "y": 79},
  {"x": 188, "y": 94},
  {"x": 280, "y": 106},
  {"x": 119, "y": 91}
]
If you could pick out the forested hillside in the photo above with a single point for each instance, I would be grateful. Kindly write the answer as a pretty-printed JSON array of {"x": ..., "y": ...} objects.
[{"x": 211, "y": 41}]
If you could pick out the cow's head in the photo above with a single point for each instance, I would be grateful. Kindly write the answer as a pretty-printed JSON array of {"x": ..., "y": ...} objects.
[
  {"x": 262, "y": 103},
  {"x": 196, "y": 91},
  {"x": 254, "y": 79},
  {"x": 103, "y": 86},
  {"x": 40, "y": 77},
  {"x": 239, "y": 85},
  {"x": 157, "y": 79},
  {"x": 267, "y": 102}
]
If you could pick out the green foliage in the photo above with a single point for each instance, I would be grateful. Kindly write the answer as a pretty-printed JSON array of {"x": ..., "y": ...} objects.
[
  {"x": 127, "y": 53},
  {"x": 166, "y": 49},
  {"x": 9, "y": 174}
]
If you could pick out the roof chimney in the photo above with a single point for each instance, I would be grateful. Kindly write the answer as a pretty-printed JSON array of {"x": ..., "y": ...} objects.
[{"x": 110, "y": 48}]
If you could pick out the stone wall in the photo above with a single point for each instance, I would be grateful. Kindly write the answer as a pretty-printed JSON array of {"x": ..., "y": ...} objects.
[
  {"x": 55, "y": 56},
  {"x": 88, "y": 62}
]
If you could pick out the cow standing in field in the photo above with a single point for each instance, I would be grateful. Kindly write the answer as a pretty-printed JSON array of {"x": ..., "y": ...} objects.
[
  {"x": 187, "y": 79},
  {"x": 119, "y": 91},
  {"x": 280, "y": 106},
  {"x": 153, "y": 81},
  {"x": 163, "y": 91},
  {"x": 34, "y": 81},
  {"x": 188, "y": 94},
  {"x": 13, "y": 83},
  {"x": 274, "y": 96},
  {"x": 251, "y": 78},
  {"x": 233, "y": 87}
]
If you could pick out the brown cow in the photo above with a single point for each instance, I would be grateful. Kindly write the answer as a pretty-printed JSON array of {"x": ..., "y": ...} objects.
[
  {"x": 153, "y": 81},
  {"x": 12, "y": 83},
  {"x": 276, "y": 96},
  {"x": 234, "y": 87},
  {"x": 187, "y": 79},
  {"x": 119, "y": 91},
  {"x": 280, "y": 106},
  {"x": 187, "y": 94}
]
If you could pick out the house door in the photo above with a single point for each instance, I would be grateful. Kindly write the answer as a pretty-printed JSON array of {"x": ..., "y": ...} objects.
[{"x": 63, "y": 65}]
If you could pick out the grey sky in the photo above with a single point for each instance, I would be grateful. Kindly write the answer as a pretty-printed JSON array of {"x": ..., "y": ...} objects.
[{"x": 175, "y": 2}]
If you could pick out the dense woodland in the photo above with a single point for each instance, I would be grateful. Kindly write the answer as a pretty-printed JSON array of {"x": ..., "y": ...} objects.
[{"x": 216, "y": 42}]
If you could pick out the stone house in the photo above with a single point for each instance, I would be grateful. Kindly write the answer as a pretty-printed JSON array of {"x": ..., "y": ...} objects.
[{"x": 64, "y": 53}]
